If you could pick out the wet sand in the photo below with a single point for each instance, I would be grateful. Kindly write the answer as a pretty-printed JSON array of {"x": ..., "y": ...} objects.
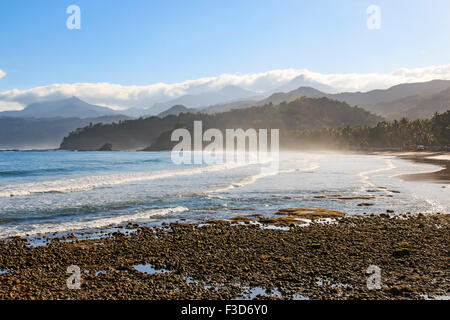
[
  {"x": 440, "y": 159},
  {"x": 225, "y": 259},
  {"x": 436, "y": 158}
]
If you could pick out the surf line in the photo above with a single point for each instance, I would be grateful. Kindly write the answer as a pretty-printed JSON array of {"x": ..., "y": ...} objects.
[
  {"x": 364, "y": 175},
  {"x": 249, "y": 180},
  {"x": 92, "y": 182},
  {"x": 66, "y": 226},
  {"x": 254, "y": 178}
]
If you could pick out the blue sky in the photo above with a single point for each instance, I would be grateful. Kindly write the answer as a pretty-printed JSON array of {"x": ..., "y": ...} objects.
[{"x": 141, "y": 42}]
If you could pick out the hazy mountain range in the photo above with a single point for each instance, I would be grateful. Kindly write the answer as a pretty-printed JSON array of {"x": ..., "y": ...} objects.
[
  {"x": 415, "y": 106},
  {"x": 67, "y": 108},
  {"x": 300, "y": 81},
  {"x": 231, "y": 95},
  {"x": 411, "y": 100},
  {"x": 43, "y": 133},
  {"x": 44, "y": 124},
  {"x": 205, "y": 99}
]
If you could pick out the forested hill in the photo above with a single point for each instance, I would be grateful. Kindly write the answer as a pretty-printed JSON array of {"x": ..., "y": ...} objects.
[{"x": 303, "y": 113}]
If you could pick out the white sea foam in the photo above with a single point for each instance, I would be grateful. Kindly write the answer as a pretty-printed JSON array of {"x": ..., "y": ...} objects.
[
  {"x": 59, "y": 227},
  {"x": 431, "y": 168},
  {"x": 440, "y": 157},
  {"x": 312, "y": 166},
  {"x": 364, "y": 176},
  {"x": 252, "y": 179},
  {"x": 91, "y": 182},
  {"x": 249, "y": 180}
]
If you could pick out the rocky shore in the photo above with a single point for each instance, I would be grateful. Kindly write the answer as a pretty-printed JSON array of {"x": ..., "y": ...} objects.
[{"x": 244, "y": 258}]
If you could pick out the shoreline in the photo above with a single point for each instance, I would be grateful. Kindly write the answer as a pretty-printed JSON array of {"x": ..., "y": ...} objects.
[
  {"x": 441, "y": 159},
  {"x": 222, "y": 259},
  {"x": 440, "y": 176}
]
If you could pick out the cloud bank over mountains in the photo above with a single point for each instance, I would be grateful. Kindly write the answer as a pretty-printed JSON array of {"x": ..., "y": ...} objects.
[{"x": 121, "y": 97}]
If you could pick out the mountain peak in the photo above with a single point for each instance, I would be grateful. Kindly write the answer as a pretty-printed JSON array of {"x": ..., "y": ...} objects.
[
  {"x": 73, "y": 98},
  {"x": 65, "y": 108},
  {"x": 175, "y": 110}
]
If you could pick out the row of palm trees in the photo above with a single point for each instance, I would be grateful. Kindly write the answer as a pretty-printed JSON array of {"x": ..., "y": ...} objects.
[{"x": 386, "y": 134}]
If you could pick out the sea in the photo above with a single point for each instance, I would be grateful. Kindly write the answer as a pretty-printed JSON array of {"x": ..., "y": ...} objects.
[{"x": 51, "y": 192}]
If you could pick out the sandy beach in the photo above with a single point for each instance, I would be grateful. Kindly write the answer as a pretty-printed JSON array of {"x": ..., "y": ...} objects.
[{"x": 440, "y": 159}]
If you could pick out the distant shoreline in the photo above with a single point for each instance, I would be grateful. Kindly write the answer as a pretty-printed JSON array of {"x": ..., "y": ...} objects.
[{"x": 435, "y": 158}]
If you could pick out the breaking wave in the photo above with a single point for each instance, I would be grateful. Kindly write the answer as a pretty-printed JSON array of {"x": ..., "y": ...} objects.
[
  {"x": 59, "y": 227},
  {"x": 90, "y": 182}
]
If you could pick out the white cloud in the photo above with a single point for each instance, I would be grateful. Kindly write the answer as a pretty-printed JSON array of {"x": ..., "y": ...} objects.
[
  {"x": 2, "y": 73},
  {"x": 120, "y": 97},
  {"x": 370, "y": 81}
]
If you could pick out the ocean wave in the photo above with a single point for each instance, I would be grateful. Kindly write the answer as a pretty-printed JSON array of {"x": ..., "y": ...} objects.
[
  {"x": 364, "y": 176},
  {"x": 312, "y": 166},
  {"x": 252, "y": 179},
  {"x": 153, "y": 160},
  {"x": 20, "y": 173},
  {"x": 90, "y": 182},
  {"x": 59, "y": 227},
  {"x": 249, "y": 180}
]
